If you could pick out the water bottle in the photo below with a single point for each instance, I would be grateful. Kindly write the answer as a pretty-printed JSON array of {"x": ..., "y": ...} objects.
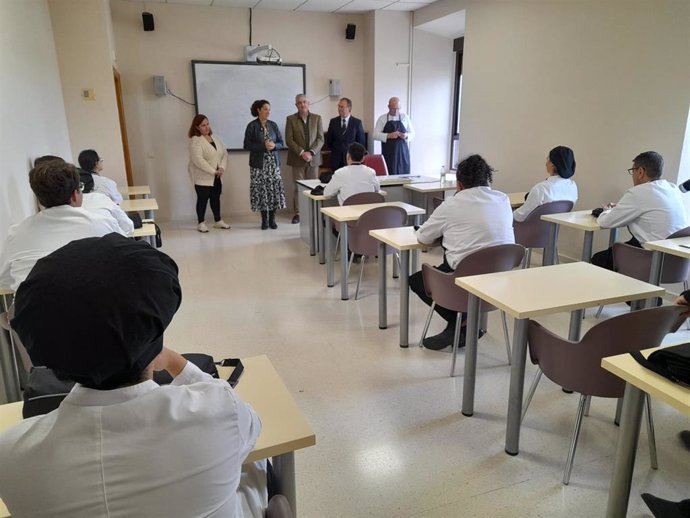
[{"x": 443, "y": 175}]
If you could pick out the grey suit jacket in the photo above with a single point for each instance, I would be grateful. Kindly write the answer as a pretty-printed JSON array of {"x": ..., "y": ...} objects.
[{"x": 295, "y": 139}]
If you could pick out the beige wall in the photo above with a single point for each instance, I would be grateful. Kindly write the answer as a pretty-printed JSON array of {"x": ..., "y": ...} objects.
[
  {"x": 85, "y": 58},
  {"x": 609, "y": 79},
  {"x": 33, "y": 115},
  {"x": 157, "y": 126}
]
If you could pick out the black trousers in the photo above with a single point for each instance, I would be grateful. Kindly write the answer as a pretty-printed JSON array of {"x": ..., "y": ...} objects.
[
  {"x": 203, "y": 194},
  {"x": 417, "y": 286},
  {"x": 604, "y": 259}
]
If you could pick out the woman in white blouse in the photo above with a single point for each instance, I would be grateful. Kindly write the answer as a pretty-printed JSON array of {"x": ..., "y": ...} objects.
[{"x": 207, "y": 161}]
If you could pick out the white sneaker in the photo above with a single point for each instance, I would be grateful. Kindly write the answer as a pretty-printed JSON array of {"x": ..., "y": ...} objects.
[
  {"x": 202, "y": 227},
  {"x": 221, "y": 224}
]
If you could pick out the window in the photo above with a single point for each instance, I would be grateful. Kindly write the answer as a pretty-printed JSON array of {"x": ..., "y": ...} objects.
[{"x": 458, "y": 45}]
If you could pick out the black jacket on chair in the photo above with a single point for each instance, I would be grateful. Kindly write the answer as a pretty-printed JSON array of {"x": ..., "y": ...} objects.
[
  {"x": 254, "y": 142},
  {"x": 338, "y": 142}
]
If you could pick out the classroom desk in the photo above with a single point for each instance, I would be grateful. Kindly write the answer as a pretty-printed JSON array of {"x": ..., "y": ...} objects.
[
  {"x": 679, "y": 247},
  {"x": 533, "y": 292},
  {"x": 135, "y": 190},
  {"x": 580, "y": 220},
  {"x": 639, "y": 381},
  {"x": 403, "y": 239},
  {"x": 284, "y": 428},
  {"x": 405, "y": 179},
  {"x": 343, "y": 214},
  {"x": 147, "y": 205}
]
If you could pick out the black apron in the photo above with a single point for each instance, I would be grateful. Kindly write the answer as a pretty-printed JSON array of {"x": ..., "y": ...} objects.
[{"x": 395, "y": 151}]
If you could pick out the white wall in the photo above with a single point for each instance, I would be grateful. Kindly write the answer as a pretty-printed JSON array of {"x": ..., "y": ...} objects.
[
  {"x": 609, "y": 79},
  {"x": 157, "y": 127},
  {"x": 31, "y": 108}
]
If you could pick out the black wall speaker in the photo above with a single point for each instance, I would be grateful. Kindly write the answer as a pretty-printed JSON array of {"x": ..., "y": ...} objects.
[
  {"x": 147, "y": 18},
  {"x": 350, "y": 31}
]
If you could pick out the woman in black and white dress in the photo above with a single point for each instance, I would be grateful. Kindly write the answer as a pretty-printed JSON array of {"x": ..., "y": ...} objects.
[{"x": 262, "y": 139}]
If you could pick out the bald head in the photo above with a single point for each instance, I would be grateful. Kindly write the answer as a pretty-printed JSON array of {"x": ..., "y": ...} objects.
[{"x": 393, "y": 106}]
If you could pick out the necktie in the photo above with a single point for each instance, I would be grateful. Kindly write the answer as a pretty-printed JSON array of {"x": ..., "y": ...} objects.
[{"x": 343, "y": 125}]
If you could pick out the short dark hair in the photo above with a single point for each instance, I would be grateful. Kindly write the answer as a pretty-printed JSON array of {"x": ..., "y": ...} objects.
[
  {"x": 257, "y": 105},
  {"x": 357, "y": 152},
  {"x": 88, "y": 159},
  {"x": 348, "y": 101},
  {"x": 54, "y": 183},
  {"x": 473, "y": 171},
  {"x": 652, "y": 162},
  {"x": 47, "y": 158},
  {"x": 196, "y": 122}
]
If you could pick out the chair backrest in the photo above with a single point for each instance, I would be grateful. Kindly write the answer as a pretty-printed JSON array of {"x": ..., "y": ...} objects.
[
  {"x": 578, "y": 365},
  {"x": 377, "y": 163},
  {"x": 436, "y": 200},
  {"x": 19, "y": 348},
  {"x": 441, "y": 287},
  {"x": 533, "y": 232},
  {"x": 636, "y": 262},
  {"x": 362, "y": 198},
  {"x": 380, "y": 217}
]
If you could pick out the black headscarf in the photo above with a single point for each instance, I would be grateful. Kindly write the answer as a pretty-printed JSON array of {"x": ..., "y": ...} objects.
[
  {"x": 564, "y": 160},
  {"x": 95, "y": 310},
  {"x": 87, "y": 179}
]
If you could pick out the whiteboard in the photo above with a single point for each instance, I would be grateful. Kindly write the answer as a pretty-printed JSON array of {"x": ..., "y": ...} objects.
[{"x": 225, "y": 91}]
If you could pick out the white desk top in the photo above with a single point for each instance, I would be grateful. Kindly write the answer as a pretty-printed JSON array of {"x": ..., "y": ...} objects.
[
  {"x": 404, "y": 179},
  {"x": 147, "y": 229},
  {"x": 309, "y": 183},
  {"x": 321, "y": 197},
  {"x": 401, "y": 238},
  {"x": 139, "y": 205},
  {"x": 624, "y": 366},
  {"x": 353, "y": 212},
  {"x": 6, "y": 291},
  {"x": 580, "y": 219},
  {"x": 554, "y": 289},
  {"x": 671, "y": 246},
  {"x": 134, "y": 190},
  {"x": 517, "y": 199},
  {"x": 430, "y": 187}
]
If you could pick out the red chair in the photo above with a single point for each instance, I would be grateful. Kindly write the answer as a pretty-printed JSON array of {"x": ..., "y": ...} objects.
[{"x": 377, "y": 163}]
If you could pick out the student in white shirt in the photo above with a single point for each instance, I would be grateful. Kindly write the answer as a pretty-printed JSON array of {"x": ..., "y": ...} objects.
[
  {"x": 475, "y": 217},
  {"x": 99, "y": 203},
  {"x": 92, "y": 165},
  {"x": 353, "y": 178},
  {"x": 558, "y": 186},
  {"x": 652, "y": 209},
  {"x": 120, "y": 444},
  {"x": 57, "y": 188}
]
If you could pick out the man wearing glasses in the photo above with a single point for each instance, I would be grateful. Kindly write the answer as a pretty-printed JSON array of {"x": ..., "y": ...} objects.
[
  {"x": 652, "y": 209},
  {"x": 58, "y": 189}
]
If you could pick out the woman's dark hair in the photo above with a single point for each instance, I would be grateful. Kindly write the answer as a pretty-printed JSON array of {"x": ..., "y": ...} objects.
[
  {"x": 54, "y": 183},
  {"x": 47, "y": 158},
  {"x": 257, "y": 105},
  {"x": 88, "y": 159},
  {"x": 473, "y": 171},
  {"x": 194, "y": 128}
]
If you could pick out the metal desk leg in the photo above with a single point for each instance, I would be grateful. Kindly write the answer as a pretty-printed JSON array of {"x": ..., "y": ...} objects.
[
  {"x": 655, "y": 275},
  {"x": 344, "y": 285},
  {"x": 322, "y": 226},
  {"x": 613, "y": 236},
  {"x": 329, "y": 252},
  {"x": 404, "y": 298},
  {"x": 471, "y": 335},
  {"x": 312, "y": 227},
  {"x": 550, "y": 251},
  {"x": 621, "y": 479},
  {"x": 587, "y": 246},
  {"x": 148, "y": 214},
  {"x": 414, "y": 261},
  {"x": 145, "y": 196},
  {"x": 575, "y": 325},
  {"x": 284, "y": 476},
  {"x": 383, "y": 301},
  {"x": 517, "y": 382}
]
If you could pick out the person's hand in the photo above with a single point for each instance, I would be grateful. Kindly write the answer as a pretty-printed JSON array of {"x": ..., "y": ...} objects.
[
  {"x": 681, "y": 301},
  {"x": 270, "y": 145},
  {"x": 393, "y": 135},
  {"x": 307, "y": 156},
  {"x": 609, "y": 206},
  {"x": 220, "y": 171},
  {"x": 169, "y": 360}
]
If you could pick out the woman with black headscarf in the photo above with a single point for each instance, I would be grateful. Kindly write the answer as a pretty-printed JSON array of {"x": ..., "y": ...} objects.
[{"x": 558, "y": 186}]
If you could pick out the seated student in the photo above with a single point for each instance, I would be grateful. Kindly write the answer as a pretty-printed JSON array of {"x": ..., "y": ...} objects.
[
  {"x": 120, "y": 444},
  {"x": 560, "y": 165},
  {"x": 354, "y": 177},
  {"x": 474, "y": 218},
  {"x": 652, "y": 209},
  {"x": 92, "y": 165},
  {"x": 56, "y": 186}
]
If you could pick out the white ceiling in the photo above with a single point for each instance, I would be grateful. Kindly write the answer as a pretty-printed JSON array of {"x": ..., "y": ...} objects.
[{"x": 322, "y": 6}]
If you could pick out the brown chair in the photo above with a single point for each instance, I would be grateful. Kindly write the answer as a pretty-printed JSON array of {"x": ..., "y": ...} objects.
[
  {"x": 441, "y": 287},
  {"x": 436, "y": 201},
  {"x": 361, "y": 198},
  {"x": 577, "y": 365},
  {"x": 362, "y": 243},
  {"x": 377, "y": 163},
  {"x": 534, "y": 232},
  {"x": 279, "y": 507}
]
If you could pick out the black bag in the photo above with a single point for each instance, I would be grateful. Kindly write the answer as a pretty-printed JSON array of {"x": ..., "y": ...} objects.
[
  {"x": 201, "y": 360},
  {"x": 43, "y": 392},
  {"x": 136, "y": 219},
  {"x": 317, "y": 191},
  {"x": 672, "y": 363},
  {"x": 159, "y": 241}
]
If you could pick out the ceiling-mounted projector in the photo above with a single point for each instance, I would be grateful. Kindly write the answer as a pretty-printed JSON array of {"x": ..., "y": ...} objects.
[{"x": 262, "y": 54}]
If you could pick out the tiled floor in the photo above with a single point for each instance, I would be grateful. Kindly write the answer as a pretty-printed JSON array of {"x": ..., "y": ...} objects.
[{"x": 391, "y": 441}]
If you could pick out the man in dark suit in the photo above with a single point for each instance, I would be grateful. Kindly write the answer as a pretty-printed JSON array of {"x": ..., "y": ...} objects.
[{"x": 343, "y": 131}]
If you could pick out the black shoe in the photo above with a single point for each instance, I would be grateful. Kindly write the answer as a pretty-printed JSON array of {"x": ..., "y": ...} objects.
[
  {"x": 272, "y": 220},
  {"x": 295, "y": 219},
  {"x": 665, "y": 508},
  {"x": 264, "y": 220},
  {"x": 685, "y": 438},
  {"x": 443, "y": 339}
]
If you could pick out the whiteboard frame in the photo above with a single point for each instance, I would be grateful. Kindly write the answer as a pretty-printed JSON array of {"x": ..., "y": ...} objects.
[{"x": 243, "y": 63}]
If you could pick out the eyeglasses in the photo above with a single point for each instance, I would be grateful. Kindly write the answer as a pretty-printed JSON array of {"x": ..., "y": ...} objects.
[
  {"x": 632, "y": 170},
  {"x": 100, "y": 160},
  {"x": 81, "y": 186}
]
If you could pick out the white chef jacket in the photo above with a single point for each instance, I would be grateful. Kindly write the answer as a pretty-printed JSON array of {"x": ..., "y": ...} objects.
[
  {"x": 352, "y": 179},
  {"x": 106, "y": 186},
  {"x": 381, "y": 122},
  {"x": 42, "y": 234},
  {"x": 652, "y": 211},
  {"x": 554, "y": 188},
  {"x": 101, "y": 204},
  {"x": 472, "y": 219},
  {"x": 144, "y": 450}
]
